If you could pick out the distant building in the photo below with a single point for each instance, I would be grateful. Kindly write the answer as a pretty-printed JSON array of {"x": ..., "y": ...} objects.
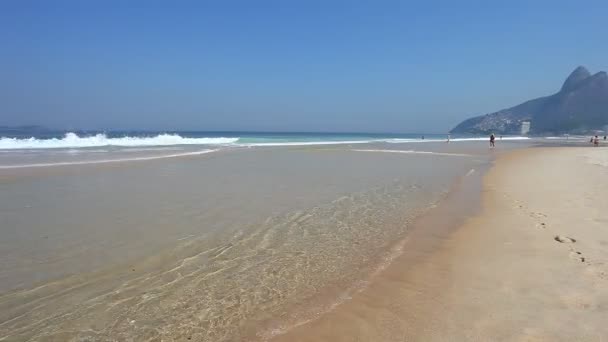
[{"x": 525, "y": 127}]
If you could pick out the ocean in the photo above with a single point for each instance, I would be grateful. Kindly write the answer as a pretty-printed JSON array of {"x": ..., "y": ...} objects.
[
  {"x": 208, "y": 236},
  {"x": 26, "y": 150}
]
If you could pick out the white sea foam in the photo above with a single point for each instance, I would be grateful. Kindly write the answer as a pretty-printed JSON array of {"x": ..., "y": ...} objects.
[
  {"x": 308, "y": 143},
  {"x": 104, "y": 161},
  {"x": 572, "y": 137},
  {"x": 348, "y": 142},
  {"x": 399, "y": 141},
  {"x": 416, "y": 152},
  {"x": 72, "y": 140}
]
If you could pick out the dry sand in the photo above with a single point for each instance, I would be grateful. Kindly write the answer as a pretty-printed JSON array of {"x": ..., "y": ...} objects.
[{"x": 532, "y": 266}]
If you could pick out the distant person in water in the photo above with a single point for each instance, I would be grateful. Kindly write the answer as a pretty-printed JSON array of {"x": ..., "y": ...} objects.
[
  {"x": 423, "y": 137},
  {"x": 492, "y": 138},
  {"x": 448, "y": 138},
  {"x": 604, "y": 138}
]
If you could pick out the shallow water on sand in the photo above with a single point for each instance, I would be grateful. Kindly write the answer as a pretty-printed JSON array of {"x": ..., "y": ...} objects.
[{"x": 209, "y": 247}]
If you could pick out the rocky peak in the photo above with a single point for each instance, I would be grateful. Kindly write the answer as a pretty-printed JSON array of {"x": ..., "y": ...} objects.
[
  {"x": 601, "y": 75},
  {"x": 581, "y": 106},
  {"x": 576, "y": 77}
]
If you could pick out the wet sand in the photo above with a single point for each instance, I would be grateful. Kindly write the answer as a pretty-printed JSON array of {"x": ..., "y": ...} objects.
[
  {"x": 211, "y": 247},
  {"x": 531, "y": 266}
]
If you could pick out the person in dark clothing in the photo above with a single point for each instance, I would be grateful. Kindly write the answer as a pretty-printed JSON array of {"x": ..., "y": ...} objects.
[{"x": 492, "y": 139}]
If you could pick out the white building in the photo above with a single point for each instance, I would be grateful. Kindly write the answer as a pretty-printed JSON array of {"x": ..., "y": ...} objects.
[{"x": 525, "y": 127}]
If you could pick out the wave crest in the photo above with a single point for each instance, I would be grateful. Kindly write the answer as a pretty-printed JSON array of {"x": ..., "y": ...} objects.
[{"x": 72, "y": 140}]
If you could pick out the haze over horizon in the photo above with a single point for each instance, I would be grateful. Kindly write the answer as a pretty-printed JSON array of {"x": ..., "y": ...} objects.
[{"x": 365, "y": 67}]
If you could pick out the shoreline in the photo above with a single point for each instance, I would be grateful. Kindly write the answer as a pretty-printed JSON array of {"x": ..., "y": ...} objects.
[
  {"x": 461, "y": 201},
  {"x": 254, "y": 233},
  {"x": 502, "y": 274}
]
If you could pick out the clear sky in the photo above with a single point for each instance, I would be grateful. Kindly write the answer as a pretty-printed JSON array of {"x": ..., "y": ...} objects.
[{"x": 367, "y": 66}]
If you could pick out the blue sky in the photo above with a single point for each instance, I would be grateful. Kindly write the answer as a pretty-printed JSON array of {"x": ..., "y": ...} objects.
[{"x": 367, "y": 66}]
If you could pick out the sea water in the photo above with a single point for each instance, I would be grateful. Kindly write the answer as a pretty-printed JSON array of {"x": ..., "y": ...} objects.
[{"x": 168, "y": 236}]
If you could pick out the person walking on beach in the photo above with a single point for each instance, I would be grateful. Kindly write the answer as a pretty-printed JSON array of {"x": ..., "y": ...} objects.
[
  {"x": 492, "y": 138},
  {"x": 596, "y": 141}
]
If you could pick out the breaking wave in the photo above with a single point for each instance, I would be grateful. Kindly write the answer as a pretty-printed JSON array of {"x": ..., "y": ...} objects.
[{"x": 72, "y": 140}]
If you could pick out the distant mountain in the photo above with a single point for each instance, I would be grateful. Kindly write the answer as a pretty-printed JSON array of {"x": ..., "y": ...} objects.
[{"x": 580, "y": 106}]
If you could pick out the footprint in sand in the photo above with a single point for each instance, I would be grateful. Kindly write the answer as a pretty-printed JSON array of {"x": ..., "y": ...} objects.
[
  {"x": 519, "y": 206},
  {"x": 564, "y": 239},
  {"x": 577, "y": 255},
  {"x": 537, "y": 215}
]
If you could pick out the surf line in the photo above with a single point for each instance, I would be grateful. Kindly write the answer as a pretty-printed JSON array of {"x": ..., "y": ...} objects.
[
  {"x": 417, "y": 152},
  {"x": 104, "y": 161}
]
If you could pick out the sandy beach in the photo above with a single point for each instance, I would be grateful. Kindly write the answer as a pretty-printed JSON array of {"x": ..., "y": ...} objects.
[
  {"x": 531, "y": 266},
  {"x": 229, "y": 171},
  {"x": 377, "y": 243}
]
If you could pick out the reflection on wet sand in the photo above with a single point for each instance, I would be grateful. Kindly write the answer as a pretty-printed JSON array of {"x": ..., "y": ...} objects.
[{"x": 210, "y": 249}]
